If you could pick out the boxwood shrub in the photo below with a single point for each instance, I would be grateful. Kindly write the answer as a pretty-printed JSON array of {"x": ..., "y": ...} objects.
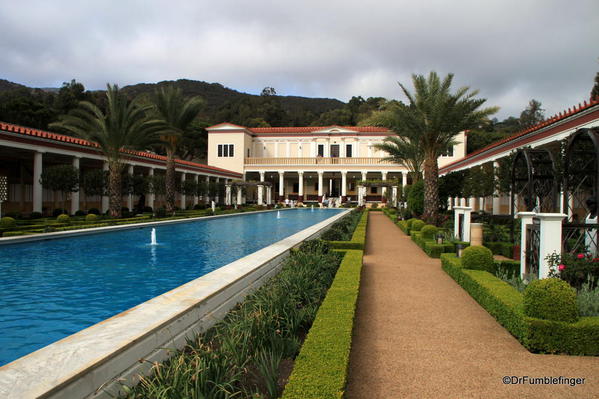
[
  {"x": 417, "y": 225},
  {"x": 428, "y": 231},
  {"x": 7, "y": 222},
  {"x": 551, "y": 299},
  {"x": 478, "y": 258},
  {"x": 63, "y": 218}
]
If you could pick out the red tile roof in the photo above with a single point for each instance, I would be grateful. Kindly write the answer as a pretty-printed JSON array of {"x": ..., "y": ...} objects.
[
  {"x": 547, "y": 122},
  {"x": 9, "y": 127}
]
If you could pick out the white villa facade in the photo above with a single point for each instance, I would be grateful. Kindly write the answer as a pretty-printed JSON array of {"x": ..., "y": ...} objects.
[{"x": 309, "y": 163}]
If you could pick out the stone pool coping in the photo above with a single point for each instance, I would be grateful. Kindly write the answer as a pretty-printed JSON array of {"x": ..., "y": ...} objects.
[
  {"x": 94, "y": 361},
  {"x": 95, "y": 230}
]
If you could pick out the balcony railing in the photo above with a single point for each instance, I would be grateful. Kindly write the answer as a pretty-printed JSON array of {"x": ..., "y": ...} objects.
[{"x": 316, "y": 161}]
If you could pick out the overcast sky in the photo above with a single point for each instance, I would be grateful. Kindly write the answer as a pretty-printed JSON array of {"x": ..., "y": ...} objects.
[{"x": 511, "y": 51}]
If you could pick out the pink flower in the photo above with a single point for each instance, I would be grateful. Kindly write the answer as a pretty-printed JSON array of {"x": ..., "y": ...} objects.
[
  {"x": 580, "y": 256},
  {"x": 561, "y": 267}
]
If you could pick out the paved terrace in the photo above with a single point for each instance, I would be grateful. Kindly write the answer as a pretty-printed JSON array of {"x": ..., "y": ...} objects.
[{"x": 418, "y": 334}]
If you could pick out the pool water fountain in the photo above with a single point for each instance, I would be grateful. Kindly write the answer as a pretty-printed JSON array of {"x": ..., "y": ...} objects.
[
  {"x": 153, "y": 237},
  {"x": 278, "y": 214}
]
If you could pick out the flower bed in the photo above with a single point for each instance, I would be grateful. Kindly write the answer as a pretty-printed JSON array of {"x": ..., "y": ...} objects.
[{"x": 505, "y": 303}]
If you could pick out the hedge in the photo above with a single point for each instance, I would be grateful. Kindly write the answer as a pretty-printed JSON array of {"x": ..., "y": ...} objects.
[
  {"x": 358, "y": 238},
  {"x": 505, "y": 303},
  {"x": 320, "y": 369}
]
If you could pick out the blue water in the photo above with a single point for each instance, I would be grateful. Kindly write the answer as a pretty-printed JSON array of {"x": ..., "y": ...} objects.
[{"x": 52, "y": 289}]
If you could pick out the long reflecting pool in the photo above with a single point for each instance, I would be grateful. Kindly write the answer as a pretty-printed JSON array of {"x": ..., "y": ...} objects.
[{"x": 52, "y": 289}]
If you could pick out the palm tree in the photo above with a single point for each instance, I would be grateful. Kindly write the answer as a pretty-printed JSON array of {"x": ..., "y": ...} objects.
[
  {"x": 124, "y": 126},
  {"x": 433, "y": 117},
  {"x": 177, "y": 113}
]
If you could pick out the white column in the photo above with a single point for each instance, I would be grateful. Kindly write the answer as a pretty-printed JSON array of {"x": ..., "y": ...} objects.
[
  {"x": 466, "y": 211},
  {"x": 320, "y": 185},
  {"x": 105, "y": 199},
  {"x": 268, "y": 195},
  {"x": 300, "y": 189},
  {"x": 130, "y": 195},
  {"x": 344, "y": 184},
  {"x": 449, "y": 204},
  {"x": 404, "y": 179},
  {"x": 228, "y": 194},
  {"x": 281, "y": 185},
  {"x": 239, "y": 197},
  {"x": 75, "y": 195},
  {"x": 196, "y": 199},
  {"x": 262, "y": 176},
  {"x": 151, "y": 196},
  {"x": 183, "y": 196},
  {"x": 550, "y": 240},
  {"x": 364, "y": 174},
  {"x": 361, "y": 195},
  {"x": 525, "y": 219},
  {"x": 394, "y": 195},
  {"x": 260, "y": 194},
  {"x": 37, "y": 185}
]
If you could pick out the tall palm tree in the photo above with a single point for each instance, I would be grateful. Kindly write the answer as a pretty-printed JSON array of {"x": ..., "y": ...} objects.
[
  {"x": 177, "y": 113},
  {"x": 124, "y": 126},
  {"x": 433, "y": 117}
]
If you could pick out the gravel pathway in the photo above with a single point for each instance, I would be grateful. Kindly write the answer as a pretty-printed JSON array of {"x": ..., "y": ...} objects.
[{"x": 420, "y": 335}]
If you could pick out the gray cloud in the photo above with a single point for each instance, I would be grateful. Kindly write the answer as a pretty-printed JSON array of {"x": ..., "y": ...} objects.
[{"x": 511, "y": 51}]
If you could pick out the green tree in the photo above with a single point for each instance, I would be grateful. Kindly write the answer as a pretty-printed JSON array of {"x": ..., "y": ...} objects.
[
  {"x": 62, "y": 178},
  {"x": 177, "y": 113},
  {"x": 595, "y": 90},
  {"x": 436, "y": 116},
  {"x": 532, "y": 115},
  {"x": 124, "y": 126}
]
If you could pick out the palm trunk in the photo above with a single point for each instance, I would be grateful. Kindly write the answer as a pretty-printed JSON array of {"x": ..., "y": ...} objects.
[
  {"x": 114, "y": 189},
  {"x": 431, "y": 190},
  {"x": 170, "y": 180}
]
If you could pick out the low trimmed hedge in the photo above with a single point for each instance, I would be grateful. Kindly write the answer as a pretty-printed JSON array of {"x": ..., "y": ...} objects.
[
  {"x": 358, "y": 238},
  {"x": 320, "y": 369},
  {"x": 505, "y": 303}
]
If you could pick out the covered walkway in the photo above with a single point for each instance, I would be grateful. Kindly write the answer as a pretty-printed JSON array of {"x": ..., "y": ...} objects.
[{"x": 418, "y": 334}]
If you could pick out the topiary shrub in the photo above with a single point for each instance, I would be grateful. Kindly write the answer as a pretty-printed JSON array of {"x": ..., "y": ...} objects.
[
  {"x": 417, "y": 225},
  {"x": 94, "y": 211},
  {"x": 91, "y": 218},
  {"x": 551, "y": 299},
  {"x": 7, "y": 222},
  {"x": 478, "y": 258},
  {"x": 428, "y": 231},
  {"x": 63, "y": 218}
]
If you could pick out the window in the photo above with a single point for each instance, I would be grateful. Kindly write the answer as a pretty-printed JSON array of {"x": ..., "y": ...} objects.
[
  {"x": 448, "y": 153},
  {"x": 334, "y": 150},
  {"x": 374, "y": 190},
  {"x": 320, "y": 150},
  {"x": 226, "y": 150},
  {"x": 348, "y": 149}
]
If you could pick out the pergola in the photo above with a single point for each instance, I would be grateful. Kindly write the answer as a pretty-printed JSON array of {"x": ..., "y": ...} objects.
[
  {"x": 240, "y": 186},
  {"x": 384, "y": 184}
]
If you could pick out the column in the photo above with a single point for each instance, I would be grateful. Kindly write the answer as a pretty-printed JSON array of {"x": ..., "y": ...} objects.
[
  {"x": 364, "y": 174},
  {"x": 300, "y": 190},
  {"x": 343, "y": 185},
  {"x": 525, "y": 219},
  {"x": 130, "y": 195},
  {"x": 196, "y": 199},
  {"x": 320, "y": 187},
  {"x": 268, "y": 195},
  {"x": 105, "y": 199},
  {"x": 239, "y": 197},
  {"x": 394, "y": 195},
  {"x": 151, "y": 196},
  {"x": 551, "y": 239},
  {"x": 465, "y": 212},
  {"x": 37, "y": 185},
  {"x": 228, "y": 194},
  {"x": 404, "y": 180},
  {"x": 75, "y": 195},
  {"x": 183, "y": 204},
  {"x": 481, "y": 204},
  {"x": 260, "y": 188},
  {"x": 281, "y": 185}
]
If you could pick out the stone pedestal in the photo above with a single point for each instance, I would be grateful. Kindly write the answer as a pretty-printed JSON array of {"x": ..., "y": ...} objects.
[
  {"x": 476, "y": 234},
  {"x": 525, "y": 219},
  {"x": 465, "y": 211},
  {"x": 551, "y": 239}
]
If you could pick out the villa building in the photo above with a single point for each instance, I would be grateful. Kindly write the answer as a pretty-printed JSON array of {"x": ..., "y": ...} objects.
[{"x": 309, "y": 163}]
